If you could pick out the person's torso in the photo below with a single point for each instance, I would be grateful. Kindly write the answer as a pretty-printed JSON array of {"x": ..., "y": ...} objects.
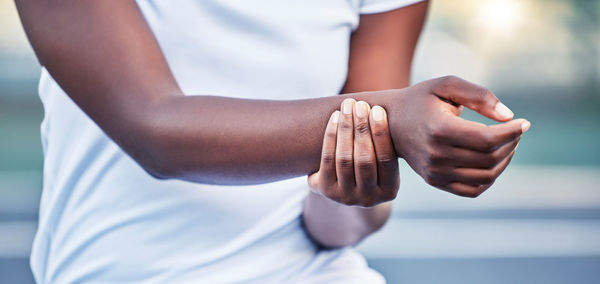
[{"x": 102, "y": 216}]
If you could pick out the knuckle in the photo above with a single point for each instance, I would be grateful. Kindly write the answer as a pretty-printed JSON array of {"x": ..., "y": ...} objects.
[
  {"x": 438, "y": 131},
  {"x": 387, "y": 158},
  {"x": 328, "y": 157},
  {"x": 434, "y": 157},
  {"x": 428, "y": 155},
  {"x": 346, "y": 125},
  {"x": 331, "y": 134},
  {"x": 379, "y": 132},
  {"x": 483, "y": 94},
  {"x": 448, "y": 81},
  {"x": 365, "y": 155},
  {"x": 387, "y": 161},
  {"x": 495, "y": 158},
  {"x": 487, "y": 142},
  {"x": 451, "y": 79},
  {"x": 345, "y": 160},
  {"x": 446, "y": 85},
  {"x": 364, "y": 163},
  {"x": 362, "y": 128},
  {"x": 433, "y": 129}
]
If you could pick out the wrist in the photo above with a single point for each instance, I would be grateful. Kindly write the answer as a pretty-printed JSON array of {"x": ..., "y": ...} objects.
[{"x": 392, "y": 101}]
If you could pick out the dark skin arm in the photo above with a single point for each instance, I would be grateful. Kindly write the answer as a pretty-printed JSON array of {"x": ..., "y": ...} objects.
[
  {"x": 381, "y": 53},
  {"x": 112, "y": 67},
  {"x": 103, "y": 54}
]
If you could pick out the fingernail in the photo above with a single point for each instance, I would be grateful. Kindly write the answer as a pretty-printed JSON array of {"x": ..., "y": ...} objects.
[
  {"x": 377, "y": 113},
  {"x": 503, "y": 111},
  {"x": 347, "y": 106},
  {"x": 362, "y": 109},
  {"x": 525, "y": 126},
  {"x": 335, "y": 117}
]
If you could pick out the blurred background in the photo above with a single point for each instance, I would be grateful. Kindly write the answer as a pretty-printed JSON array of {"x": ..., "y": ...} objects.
[{"x": 540, "y": 222}]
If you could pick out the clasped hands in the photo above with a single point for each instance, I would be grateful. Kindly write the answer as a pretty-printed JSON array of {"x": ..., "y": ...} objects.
[{"x": 422, "y": 125}]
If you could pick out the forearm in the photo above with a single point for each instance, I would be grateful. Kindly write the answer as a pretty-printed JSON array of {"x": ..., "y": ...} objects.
[
  {"x": 332, "y": 224},
  {"x": 234, "y": 141},
  {"x": 105, "y": 57}
]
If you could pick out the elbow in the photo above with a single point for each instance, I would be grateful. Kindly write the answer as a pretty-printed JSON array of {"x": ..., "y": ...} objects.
[
  {"x": 155, "y": 171},
  {"x": 151, "y": 147},
  {"x": 152, "y": 159},
  {"x": 167, "y": 162}
]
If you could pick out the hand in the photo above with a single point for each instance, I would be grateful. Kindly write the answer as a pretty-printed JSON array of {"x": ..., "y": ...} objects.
[
  {"x": 358, "y": 162},
  {"x": 450, "y": 153}
]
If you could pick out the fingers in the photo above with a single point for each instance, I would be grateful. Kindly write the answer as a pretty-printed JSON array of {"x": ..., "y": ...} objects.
[
  {"x": 480, "y": 137},
  {"x": 471, "y": 187},
  {"x": 387, "y": 161},
  {"x": 326, "y": 175},
  {"x": 365, "y": 167},
  {"x": 344, "y": 157},
  {"x": 349, "y": 169},
  {"x": 473, "y": 96},
  {"x": 482, "y": 176},
  {"x": 464, "y": 158}
]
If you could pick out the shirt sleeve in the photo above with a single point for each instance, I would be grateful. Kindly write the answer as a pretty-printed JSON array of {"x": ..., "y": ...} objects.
[{"x": 379, "y": 6}]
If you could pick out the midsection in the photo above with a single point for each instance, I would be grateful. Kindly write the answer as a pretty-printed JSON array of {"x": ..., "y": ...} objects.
[{"x": 99, "y": 207}]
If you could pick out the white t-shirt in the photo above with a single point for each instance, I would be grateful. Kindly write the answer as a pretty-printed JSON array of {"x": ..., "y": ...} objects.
[{"x": 104, "y": 219}]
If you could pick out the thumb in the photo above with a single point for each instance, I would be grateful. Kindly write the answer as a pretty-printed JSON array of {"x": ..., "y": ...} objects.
[{"x": 473, "y": 96}]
